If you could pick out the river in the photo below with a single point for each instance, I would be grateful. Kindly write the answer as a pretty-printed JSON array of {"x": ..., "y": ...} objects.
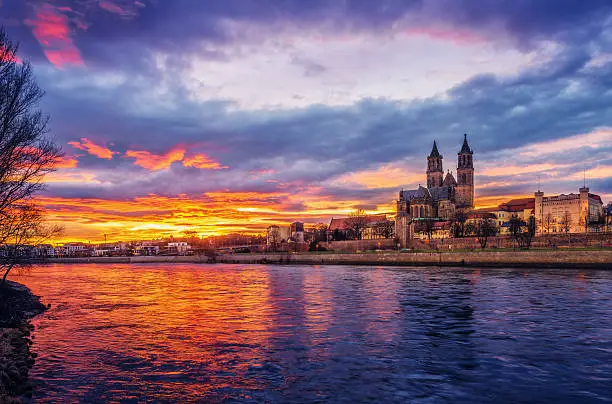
[{"x": 237, "y": 333}]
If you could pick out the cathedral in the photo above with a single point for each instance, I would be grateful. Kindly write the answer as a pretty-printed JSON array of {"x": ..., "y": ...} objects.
[{"x": 444, "y": 195}]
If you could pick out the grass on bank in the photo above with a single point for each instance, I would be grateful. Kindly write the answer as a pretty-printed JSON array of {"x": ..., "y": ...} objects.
[{"x": 456, "y": 250}]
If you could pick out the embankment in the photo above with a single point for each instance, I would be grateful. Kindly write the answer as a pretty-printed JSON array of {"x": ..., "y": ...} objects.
[
  {"x": 601, "y": 259},
  {"x": 17, "y": 306}
]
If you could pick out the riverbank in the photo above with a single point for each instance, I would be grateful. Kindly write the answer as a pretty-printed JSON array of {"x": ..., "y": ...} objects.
[
  {"x": 17, "y": 306},
  {"x": 601, "y": 259}
]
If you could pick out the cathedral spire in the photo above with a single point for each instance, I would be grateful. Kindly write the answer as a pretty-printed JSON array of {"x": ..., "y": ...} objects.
[
  {"x": 465, "y": 148},
  {"x": 434, "y": 151}
]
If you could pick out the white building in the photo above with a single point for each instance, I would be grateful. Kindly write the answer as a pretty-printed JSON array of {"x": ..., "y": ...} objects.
[
  {"x": 179, "y": 247},
  {"x": 576, "y": 213}
]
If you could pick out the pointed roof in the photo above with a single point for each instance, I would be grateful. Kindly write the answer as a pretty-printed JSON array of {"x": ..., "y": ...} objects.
[
  {"x": 465, "y": 148},
  {"x": 449, "y": 180},
  {"x": 434, "y": 151},
  {"x": 419, "y": 193},
  {"x": 440, "y": 193}
]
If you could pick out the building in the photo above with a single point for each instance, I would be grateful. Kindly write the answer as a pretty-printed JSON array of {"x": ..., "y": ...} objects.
[
  {"x": 277, "y": 234},
  {"x": 521, "y": 208},
  {"x": 178, "y": 248},
  {"x": 608, "y": 214},
  {"x": 439, "y": 230},
  {"x": 296, "y": 232},
  {"x": 574, "y": 213},
  {"x": 44, "y": 251},
  {"x": 444, "y": 195},
  {"x": 76, "y": 250},
  {"x": 373, "y": 227},
  {"x": 146, "y": 248}
]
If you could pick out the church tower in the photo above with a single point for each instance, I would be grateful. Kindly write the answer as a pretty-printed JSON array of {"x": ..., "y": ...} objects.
[
  {"x": 465, "y": 176},
  {"x": 434, "y": 168}
]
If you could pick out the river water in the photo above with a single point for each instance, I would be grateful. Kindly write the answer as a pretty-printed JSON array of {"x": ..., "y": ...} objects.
[{"x": 235, "y": 333}]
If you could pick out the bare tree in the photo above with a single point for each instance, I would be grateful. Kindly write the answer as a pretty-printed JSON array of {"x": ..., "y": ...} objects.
[
  {"x": 26, "y": 155},
  {"x": 548, "y": 222},
  {"x": 530, "y": 233},
  {"x": 458, "y": 225},
  {"x": 516, "y": 228},
  {"x": 321, "y": 232},
  {"x": 23, "y": 227},
  {"x": 357, "y": 223},
  {"x": 274, "y": 238},
  {"x": 428, "y": 227},
  {"x": 566, "y": 221},
  {"x": 485, "y": 229},
  {"x": 523, "y": 233}
]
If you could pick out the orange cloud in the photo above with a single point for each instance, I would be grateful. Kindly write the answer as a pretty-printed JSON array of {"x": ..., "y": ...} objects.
[
  {"x": 154, "y": 162},
  {"x": 93, "y": 149},
  {"x": 51, "y": 29},
  {"x": 202, "y": 161},
  {"x": 387, "y": 176},
  {"x": 66, "y": 162},
  {"x": 494, "y": 201}
]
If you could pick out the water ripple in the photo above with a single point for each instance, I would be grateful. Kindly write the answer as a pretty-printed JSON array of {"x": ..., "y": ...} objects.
[{"x": 231, "y": 333}]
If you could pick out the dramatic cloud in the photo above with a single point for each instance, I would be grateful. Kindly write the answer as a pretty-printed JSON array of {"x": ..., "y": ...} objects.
[
  {"x": 66, "y": 162},
  {"x": 163, "y": 161},
  {"x": 155, "y": 162},
  {"x": 51, "y": 28},
  {"x": 90, "y": 147},
  {"x": 241, "y": 113}
]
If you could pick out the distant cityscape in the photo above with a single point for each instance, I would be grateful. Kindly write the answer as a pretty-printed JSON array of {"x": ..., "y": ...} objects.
[{"x": 443, "y": 210}]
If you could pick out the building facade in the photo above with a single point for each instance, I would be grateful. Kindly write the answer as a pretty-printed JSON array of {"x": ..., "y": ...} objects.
[
  {"x": 444, "y": 194},
  {"x": 573, "y": 213}
]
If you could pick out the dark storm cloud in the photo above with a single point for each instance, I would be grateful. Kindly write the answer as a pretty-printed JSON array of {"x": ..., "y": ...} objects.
[
  {"x": 563, "y": 97},
  {"x": 111, "y": 33}
]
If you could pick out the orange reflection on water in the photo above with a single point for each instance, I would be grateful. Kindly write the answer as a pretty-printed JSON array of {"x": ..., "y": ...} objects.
[{"x": 170, "y": 323}]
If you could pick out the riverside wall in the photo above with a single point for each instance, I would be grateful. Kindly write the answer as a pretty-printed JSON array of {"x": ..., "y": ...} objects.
[{"x": 601, "y": 259}]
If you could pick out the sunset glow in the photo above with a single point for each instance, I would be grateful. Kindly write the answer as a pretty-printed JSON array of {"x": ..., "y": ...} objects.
[{"x": 306, "y": 112}]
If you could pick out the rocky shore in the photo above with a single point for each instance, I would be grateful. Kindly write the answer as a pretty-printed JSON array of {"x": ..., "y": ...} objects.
[{"x": 17, "y": 306}]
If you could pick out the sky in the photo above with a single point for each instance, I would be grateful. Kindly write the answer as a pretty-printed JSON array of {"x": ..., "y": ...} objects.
[{"x": 229, "y": 116}]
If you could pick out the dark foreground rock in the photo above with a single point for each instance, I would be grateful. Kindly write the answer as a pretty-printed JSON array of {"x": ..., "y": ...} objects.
[{"x": 17, "y": 306}]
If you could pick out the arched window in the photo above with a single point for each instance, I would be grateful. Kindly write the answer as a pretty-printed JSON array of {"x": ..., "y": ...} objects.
[{"x": 421, "y": 212}]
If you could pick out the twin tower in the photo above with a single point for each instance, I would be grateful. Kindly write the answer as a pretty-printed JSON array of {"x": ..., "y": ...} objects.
[{"x": 464, "y": 185}]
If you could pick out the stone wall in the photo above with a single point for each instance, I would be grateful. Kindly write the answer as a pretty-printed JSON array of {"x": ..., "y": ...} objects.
[
  {"x": 528, "y": 259},
  {"x": 352, "y": 246},
  {"x": 573, "y": 240}
]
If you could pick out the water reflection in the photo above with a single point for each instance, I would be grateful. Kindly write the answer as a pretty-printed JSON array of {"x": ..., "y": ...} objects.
[{"x": 302, "y": 334}]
